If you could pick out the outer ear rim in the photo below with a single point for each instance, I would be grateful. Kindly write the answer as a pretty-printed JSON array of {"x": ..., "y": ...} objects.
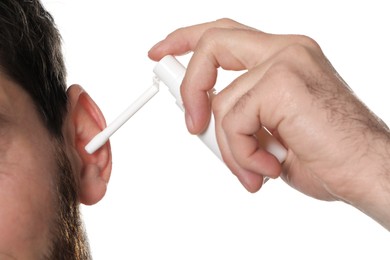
[{"x": 95, "y": 169}]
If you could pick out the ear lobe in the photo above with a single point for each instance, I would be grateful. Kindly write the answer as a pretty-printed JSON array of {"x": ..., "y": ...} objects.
[{"x": 88, "y": 121}]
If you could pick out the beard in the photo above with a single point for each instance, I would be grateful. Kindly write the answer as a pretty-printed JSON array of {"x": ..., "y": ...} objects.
[{"x": 69, "y": 239}]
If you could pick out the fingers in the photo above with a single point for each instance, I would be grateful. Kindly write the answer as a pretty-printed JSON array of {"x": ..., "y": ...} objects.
[
  {"x": 185, "y": 39},
  {"x": 224, "y": 44},
  {"x": 213, "y": 50},
  {"x": 231, "y": 46},
  {"x": 213, "y": 44},
  {"x": 237, "y": 111},
  {"x": 240, "y": 125}
]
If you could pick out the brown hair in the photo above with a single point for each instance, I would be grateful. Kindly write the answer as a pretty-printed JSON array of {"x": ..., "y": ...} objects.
[{"x": 30, "y": 54}]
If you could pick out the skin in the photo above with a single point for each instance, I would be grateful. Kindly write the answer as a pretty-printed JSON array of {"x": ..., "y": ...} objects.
[
  {"x": 26, "y": 195},
  {"x": 337, "y": 148},
  {"x": 28, "y": 168},
  {"x": 289, "y": 87}
]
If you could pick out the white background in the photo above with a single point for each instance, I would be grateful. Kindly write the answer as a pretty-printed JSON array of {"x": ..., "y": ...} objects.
[{"x": 169, "y": 197}]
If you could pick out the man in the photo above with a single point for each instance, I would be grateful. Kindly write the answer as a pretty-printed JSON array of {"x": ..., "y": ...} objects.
[{"x": 44, "y": 171}]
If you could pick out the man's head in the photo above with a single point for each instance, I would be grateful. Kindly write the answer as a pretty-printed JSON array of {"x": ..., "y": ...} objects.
[{"x": 44, "y": 171}]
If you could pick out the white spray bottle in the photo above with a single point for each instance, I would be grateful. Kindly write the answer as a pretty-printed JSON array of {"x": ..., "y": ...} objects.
[{"x": 171, "y": 72}]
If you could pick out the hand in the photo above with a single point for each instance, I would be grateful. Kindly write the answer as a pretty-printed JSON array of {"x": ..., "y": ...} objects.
[{"x": 337, "y": 148}]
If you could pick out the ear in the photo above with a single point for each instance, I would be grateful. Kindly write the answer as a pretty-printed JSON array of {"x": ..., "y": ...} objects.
[{"x": 95, "y": 169}]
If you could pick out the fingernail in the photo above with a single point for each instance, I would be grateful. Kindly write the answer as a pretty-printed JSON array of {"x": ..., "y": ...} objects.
[
  {"x": 156, "y": 46},
  {"x": 189, "y": 122}
]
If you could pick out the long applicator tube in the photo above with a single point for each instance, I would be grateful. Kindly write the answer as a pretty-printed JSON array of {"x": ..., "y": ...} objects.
[
  {"x": 171, "y": 72},
  {"x": 101, "y": 138}
]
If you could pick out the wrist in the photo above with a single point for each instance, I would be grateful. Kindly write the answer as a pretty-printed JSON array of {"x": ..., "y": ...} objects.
[{"x": 369, "y": 189}]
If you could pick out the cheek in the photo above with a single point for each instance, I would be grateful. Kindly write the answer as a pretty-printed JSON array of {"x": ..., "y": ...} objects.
[{"x": 26, "y": 201}]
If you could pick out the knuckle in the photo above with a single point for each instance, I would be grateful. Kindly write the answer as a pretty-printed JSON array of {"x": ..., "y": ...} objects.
[
  {"x": 281, "y": 73},
  {"x": 227, "y": 126},
  {"x": 218, "y": 105},
  {"x": 307, "y": 42},
  {"x": 302, "y": 49},
  {"x": 226, "y": 21},
  {"x": 284, "y": 81},
  {"x": 297, "y": 53},
  {"x": 208, "y": 39}
]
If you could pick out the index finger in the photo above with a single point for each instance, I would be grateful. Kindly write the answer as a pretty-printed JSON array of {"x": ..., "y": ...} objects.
[
  {"x": 185, "y": 39},
  {"x": 223, "y": 43},
  {"x": 182, "y": 41}
]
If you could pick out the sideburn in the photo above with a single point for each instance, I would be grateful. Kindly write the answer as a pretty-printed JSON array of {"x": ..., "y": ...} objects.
[{"x": 69, "y": 240}]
